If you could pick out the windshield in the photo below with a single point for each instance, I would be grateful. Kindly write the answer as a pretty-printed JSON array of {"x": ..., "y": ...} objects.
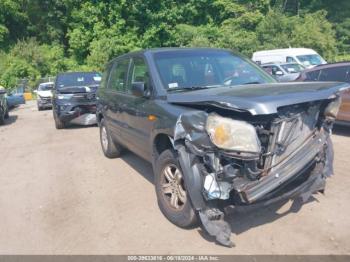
[
  {"x": 206, "y": 68},
  {"x": 292, "y": 68},
  {"x": 45, "y": 87},
  {"x": 311, "y": 59},
  {"x": 78, "y": 79}
]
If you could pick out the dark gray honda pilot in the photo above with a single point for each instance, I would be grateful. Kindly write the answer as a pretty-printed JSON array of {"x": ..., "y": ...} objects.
[{"x": 221, "y": 134}]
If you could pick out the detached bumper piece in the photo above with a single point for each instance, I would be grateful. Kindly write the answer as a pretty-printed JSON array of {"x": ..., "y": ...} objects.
[{"x": 81, "y": 115}]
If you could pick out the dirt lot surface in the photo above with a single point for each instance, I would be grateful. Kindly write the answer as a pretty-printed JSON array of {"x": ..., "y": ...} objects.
[{"x": 60, "y": 195}]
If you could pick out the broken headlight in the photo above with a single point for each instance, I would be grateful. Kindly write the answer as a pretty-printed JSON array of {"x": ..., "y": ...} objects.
[
  {"x": 333, "y": 108},
  {"x": 232, "y": 134}
]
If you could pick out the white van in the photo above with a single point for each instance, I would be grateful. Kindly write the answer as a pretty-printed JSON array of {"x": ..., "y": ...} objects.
[{"x": 303, "y": 56}]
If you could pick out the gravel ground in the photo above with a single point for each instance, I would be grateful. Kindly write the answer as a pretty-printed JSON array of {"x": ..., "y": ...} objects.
[{"x": 60, "y": 195}]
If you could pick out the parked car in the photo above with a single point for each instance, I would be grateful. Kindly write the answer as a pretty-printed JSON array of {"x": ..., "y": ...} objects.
[
  {"x": 4, "y": 113},
  {"x": 218, "y": 130},
  {"x": 332, "y": 72},
  {"x": 74, "y": 98},
  {"x": 44, "y": 95},
  {"x": 303, "y": 56},
  {"x": 15, "y": 99},
  {"x": 283, "y": 72}
]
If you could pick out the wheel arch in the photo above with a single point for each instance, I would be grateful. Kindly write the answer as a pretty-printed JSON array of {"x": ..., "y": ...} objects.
[{"x": 161, "y": 142}]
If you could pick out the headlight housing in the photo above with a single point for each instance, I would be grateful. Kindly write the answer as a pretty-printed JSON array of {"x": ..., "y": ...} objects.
[
  {"x": 64, "y": 96},
  {"x": 333, "y": 108},
  {"x": 232, "y": 134}
]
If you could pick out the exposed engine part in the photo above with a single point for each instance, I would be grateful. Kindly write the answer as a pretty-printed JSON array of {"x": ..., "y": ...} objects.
[
  {"x": 85, "y": 119},
  {"x": 216, "y": 189}
]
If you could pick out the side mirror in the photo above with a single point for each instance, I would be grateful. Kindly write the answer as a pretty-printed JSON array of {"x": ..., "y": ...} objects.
[
  {"x": 138, "y": 89},
  {"x": 279, "y": 73}
]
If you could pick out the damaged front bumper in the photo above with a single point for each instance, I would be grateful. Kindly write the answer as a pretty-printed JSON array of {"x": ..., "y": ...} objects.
[
  {"x": 299, "y": 161},
  {"x": 298, "y": 176},
  {"x": 82, "y": 114}
]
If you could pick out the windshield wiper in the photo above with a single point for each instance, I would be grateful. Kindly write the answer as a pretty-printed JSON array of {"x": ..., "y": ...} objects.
[
  {"x": 251, "y": 83},
  {"x": 186, "y": 88}
]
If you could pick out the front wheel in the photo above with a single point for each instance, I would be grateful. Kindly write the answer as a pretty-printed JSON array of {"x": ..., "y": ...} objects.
[
  {"x": 173, "y": 200},
  {"x": 59, "y": 124}
]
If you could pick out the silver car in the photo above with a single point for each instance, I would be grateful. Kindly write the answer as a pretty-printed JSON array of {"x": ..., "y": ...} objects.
[{"x": 283, "y": 72}]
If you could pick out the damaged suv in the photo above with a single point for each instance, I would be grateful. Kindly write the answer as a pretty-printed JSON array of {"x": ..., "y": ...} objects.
[
  {"x": 74, "y": 98},
  {"x": 218, "y": 130}
]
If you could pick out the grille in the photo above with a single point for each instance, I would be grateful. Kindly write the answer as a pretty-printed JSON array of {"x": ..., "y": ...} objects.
[
  {"x": 290, "y": 133},
  {"x": 84, "y": 97},
  {"x": 45, "y": 99}
]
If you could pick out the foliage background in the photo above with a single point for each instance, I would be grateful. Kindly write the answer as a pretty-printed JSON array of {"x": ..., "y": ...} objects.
[{"x": 39, "y": 38}]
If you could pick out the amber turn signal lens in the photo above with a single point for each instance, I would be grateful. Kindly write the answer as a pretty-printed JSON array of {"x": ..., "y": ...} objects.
[
  {"x": 152, "y": 117},
  {"x": 220, "y": 134}
]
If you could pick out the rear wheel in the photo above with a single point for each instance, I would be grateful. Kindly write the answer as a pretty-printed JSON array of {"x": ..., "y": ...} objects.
[
  {"x": 173, "y": 199},
  {"x": 110, "y": 148},
  {"x": 58, "y": 123}
]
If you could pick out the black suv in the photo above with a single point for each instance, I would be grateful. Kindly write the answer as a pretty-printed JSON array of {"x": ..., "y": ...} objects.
[
  {"x": 4, "y": 112},
  {"x": 218, "y": 130},
  {"x": 74, "y": 98}
]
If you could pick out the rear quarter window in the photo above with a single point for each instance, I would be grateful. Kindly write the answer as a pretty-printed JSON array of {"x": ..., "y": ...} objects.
[{"x": 105, "y": 76}]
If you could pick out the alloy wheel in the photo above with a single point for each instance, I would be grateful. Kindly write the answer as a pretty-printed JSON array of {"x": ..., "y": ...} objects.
[{"x": 173, "y": 187}]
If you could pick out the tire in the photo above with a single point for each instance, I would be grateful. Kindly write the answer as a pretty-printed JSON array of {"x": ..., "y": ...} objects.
[
  {"x": 183, "y": 215},
  {"x": 58, "y": 123},
  {"x": 7, "y": 114},
  {"x": 2, "y": 118},
  {"x": 110, "y": 148},
  {"x": 39, "y": 108}
]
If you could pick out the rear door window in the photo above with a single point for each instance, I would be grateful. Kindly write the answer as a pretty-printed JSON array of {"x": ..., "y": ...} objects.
[
  {"x": 335, "y": 74},
  {"x": 118, "y": 76}
]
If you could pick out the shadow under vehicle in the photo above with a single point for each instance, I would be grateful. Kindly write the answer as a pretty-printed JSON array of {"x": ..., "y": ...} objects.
[
  {"x": 74, "y": 98},
  {"x": 219, "y": 131}
]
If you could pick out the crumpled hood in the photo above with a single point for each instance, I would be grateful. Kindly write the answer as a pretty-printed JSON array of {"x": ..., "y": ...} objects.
[
  {"x": 46, "y": 93},
  {"x": 259, "y": 99}
]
